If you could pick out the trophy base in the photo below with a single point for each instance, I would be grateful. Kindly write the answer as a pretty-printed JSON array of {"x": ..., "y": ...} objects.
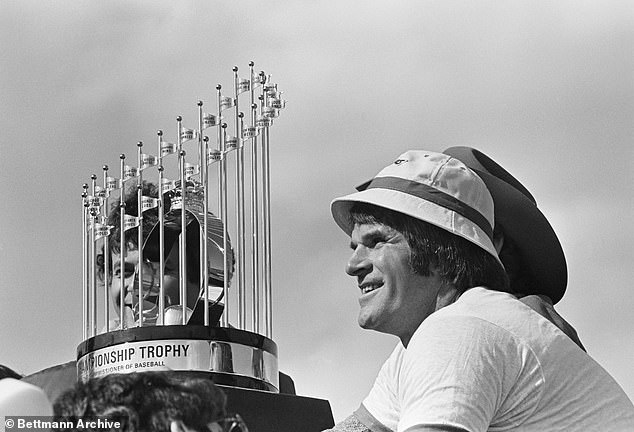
[{"x": 235, "y": 358}]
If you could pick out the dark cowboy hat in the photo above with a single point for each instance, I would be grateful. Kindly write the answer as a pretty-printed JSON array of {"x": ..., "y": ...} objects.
[{"x": 516, "y": 212}]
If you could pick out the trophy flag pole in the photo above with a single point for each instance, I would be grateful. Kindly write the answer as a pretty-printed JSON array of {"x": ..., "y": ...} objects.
[
  {"x": 139, "y": 206},
  {"x": 161, "y": 216},
  {"x": 222, "y": 208},
  {"x": 239, "y": 206},
  {"x": 203, "y": 255},
  {"x": 255, "y": 246},
  {"x": 92, "y": 294},
  {"x": 106, "y": 253},
  {"x": 85, "y": 267},
  {"x": 182, "y": 263},
  {"x": 122, "y": 245},
  {"x": 266, "y": 216}
]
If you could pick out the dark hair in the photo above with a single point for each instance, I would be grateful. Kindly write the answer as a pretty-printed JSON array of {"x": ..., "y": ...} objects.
[
  {"x": 459, "y": 261},
  {"x": 150, "y": 217},
  {"x": 146, "y": 401}
]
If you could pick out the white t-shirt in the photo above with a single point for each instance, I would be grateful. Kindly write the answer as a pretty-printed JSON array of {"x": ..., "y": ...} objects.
[{"x": 490, "y": 363}]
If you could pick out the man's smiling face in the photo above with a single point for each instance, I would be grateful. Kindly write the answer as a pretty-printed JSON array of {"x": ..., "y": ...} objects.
[{"x": 394, "y": 299}]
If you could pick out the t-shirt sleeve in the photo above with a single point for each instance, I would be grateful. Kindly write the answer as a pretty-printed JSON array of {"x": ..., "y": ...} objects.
[
  {"x": 468, "y": 373},
  {"x": 380, "y": 408}
]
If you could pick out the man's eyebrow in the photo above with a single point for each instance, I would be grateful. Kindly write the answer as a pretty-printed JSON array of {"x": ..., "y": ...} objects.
[{"x": 372, "y": 235}]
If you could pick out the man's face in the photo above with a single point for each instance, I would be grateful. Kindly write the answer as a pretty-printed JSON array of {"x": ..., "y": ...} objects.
[
  {"x": 150, "y": 285},
  {"x": 393, "y": 299}
]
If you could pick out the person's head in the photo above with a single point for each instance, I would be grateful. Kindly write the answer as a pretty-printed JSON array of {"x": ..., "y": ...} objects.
[
  {"x": 146, "y": 401},
  {"x": 151, "y": 271},
  {"x": 527, "y": 244},
  {"x": 7, "y": 372},
  {"x": 21, "y": 398},
  {"x": 421, "y": 234}
]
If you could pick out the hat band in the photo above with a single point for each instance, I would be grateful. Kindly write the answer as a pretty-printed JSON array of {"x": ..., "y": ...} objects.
[{"x": 435, "y": 196}]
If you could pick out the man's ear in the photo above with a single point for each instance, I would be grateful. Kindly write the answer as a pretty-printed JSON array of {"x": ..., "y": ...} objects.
[
  {"x": 447, "y": 291},
  {"x": 178, "y": 426}
]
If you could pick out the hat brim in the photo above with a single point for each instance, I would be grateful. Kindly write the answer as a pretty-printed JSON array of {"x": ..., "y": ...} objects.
[
  {"x": 522, "y": 222},
  {"x": 415, "y": 207}
]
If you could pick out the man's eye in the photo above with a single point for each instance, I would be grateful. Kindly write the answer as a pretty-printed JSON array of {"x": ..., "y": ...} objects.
[{"x": 374, "y": 241}]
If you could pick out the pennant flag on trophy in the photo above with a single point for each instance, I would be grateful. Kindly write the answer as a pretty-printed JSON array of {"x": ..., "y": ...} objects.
[
  {"x": 213, "y": 155},
  {"x": 168, "y": 185},
  {"x": 94, "y": 202},
  {"x": 227, "y": 102},
  {"x": 102, "y": 192},
  {"x": 188, "y": 135},
  {"x": 101, "y": 231},
  {"x": 249, "y": 132},
  {"x": 263, "y": 122},
  {"x": 191, "y": 169},
  {"x": 231, "y": 142},
  {"x": 244, "y": 85},
  {"x": 97, "y": 220},
  {"x": 259, "y": 78},
  {"x": 129, "y": 172},
  {"x": 270, "y": 112},
  {"x": 148, "y": 160},
  {"x": 277, "y": 103},
  {"x": 148, "y": 203},
  {"x": 130, "y": 222},
  {"x": 270, "y": 89},
  {"x": 167, "y": 148},
  {"x": 210, "y": 120},
  {"x": 112, "y": 183}
]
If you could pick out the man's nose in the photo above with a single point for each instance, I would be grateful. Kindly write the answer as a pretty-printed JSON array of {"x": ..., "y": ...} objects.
[{"x": 359, "y": 262}]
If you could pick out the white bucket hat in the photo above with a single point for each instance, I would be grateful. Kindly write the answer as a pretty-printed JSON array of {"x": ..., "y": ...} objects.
[{"x": 432, "y": 187}]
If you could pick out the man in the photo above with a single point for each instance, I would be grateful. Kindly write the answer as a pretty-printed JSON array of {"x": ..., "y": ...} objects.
[
  {"x": 148, "y": 401},
  {"x": 471, "y": 357},
  {"x": 130, "y": 265}
]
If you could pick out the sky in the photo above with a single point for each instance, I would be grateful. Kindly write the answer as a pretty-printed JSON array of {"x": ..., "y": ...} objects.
[{"x": 544, "y": 88}]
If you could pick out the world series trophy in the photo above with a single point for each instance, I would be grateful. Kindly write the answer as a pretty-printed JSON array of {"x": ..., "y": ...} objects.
[{"x": 183, "y": 294}]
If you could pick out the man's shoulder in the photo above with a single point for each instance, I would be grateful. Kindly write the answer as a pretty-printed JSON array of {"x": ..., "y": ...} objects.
[
  {"x": 494, "y": 307},
  {"x": 481, "y": 313}
]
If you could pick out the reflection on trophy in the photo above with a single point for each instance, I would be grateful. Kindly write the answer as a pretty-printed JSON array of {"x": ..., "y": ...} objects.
[{"x": 177, "y": 259}]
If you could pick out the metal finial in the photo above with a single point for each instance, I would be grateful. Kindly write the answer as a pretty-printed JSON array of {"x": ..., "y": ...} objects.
[
  {"x": 93, "y": 177},
  {"x": 139, "y": 144},
  {"x": 159, "y": 132},
  {"x": 200, "y": 103},
  {"x": 182, "y": 153},
  {"x": 251, "y": 63},
  {"x": 179, "y": 118},
  {"x": 160, "y": 168},
  {"x": 218, "y": 87},
  {"x": 235, "y": 68},
  {"x": 105, "y": 167},
  {"x": 254, "y": 106},
  {"x": 121, "y": 156},
  {"x": 224, "y": 126},
  {"x": 206, "y": 138},
  {"x": 261, "y": 97},
  {"x": 85, "y": 186},
  {"x": 241, "y": 114}
]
